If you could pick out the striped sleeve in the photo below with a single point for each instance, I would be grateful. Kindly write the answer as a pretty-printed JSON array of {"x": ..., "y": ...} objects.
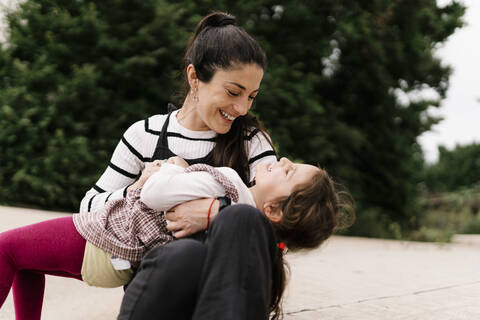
[
  {"x": 127, "y": 161},
  {"x": 260, "y": 150}
]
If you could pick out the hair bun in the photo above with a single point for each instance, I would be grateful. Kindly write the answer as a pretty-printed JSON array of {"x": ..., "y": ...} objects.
[{"x": 219, "y": 19}]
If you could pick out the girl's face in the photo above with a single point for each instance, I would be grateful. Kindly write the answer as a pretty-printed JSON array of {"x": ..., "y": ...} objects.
[
  {"x": 228, "y": 95},
  {"x": 278, "y": 180}
]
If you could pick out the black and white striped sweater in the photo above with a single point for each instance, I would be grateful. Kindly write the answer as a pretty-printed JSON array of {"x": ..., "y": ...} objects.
[{"x": 138, "y": 144}]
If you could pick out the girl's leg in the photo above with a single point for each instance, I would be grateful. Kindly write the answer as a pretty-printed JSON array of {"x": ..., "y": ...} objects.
[{"x": 28, "y": 253}]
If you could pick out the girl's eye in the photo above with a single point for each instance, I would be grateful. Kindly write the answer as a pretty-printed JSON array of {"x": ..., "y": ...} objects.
[{"x": 251, "y": 98}]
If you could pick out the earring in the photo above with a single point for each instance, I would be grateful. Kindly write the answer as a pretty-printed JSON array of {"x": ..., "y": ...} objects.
[{"x": 194, "y": 94}]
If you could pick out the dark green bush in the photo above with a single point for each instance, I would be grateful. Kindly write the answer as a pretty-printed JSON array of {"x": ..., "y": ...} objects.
[{"x": 75, "y": 74}]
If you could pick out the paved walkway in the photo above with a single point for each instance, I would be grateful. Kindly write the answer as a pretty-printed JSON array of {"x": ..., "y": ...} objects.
[{"x": 348, "y": 278}]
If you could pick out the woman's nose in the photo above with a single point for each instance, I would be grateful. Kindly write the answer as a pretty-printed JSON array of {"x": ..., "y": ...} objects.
[{"x": 241, "y": 108}]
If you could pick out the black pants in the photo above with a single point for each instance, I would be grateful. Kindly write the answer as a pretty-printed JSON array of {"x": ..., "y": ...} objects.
[{"x": 227, "y": 277}]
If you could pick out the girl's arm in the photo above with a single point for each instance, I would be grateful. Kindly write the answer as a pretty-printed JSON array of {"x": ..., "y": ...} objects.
[{"x": 171, "y": 186}]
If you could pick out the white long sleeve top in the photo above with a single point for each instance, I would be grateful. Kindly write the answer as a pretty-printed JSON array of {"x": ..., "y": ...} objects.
[{"x": 171, "y": 186}]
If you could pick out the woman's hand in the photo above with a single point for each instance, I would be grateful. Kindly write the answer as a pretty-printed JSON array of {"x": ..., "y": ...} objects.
[
  {"x": 191, "y": 217},
  {"x": 150, "y": 168},
  {"x": 178, "y": 161}
]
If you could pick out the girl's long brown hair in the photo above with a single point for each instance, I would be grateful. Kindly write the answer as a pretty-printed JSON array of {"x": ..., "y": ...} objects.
[{"x": 310, "y": 215}]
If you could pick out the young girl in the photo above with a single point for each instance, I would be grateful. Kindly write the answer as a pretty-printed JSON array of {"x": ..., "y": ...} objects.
[{"x": 300, "y": 201}]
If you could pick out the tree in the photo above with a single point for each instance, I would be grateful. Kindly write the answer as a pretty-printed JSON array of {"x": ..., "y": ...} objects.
[
  {"x": 75, "y": 75},
  {"x": 455, "y": 169},
  {"x": 331, "y": 94}
]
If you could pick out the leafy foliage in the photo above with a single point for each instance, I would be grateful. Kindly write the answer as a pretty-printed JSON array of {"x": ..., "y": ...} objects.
[
  {"x": 455, "y": 169},
  {"x": 75, "y": 74},
  {"x": 447, "y": 214},
  {"x": 334, "y": 93}
]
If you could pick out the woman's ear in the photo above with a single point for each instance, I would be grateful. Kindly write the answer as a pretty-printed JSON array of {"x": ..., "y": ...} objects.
[
  {"x": 192, "y": 77},
  {"x": 273, "y": 211}
]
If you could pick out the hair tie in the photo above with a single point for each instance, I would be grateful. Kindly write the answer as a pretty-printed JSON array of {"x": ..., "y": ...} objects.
[
  {"x": 226, "y": 21},
  {"x": 281, "y": 246}
]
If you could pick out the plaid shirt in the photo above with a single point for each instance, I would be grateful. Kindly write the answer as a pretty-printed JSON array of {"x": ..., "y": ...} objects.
[{"x": 127, "y": 228}]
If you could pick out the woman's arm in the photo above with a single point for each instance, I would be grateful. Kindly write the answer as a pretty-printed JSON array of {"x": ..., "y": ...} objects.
[
  {"x": 125, "y": 165},
  {"x": 191, "y": 217}
]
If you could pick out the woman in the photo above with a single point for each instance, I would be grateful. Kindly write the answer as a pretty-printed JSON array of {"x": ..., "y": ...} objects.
[{"x": 223, "y": 70}]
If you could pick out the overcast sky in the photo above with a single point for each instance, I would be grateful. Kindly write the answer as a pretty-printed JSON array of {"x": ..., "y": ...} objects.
[{"x": 461, "y": 108}]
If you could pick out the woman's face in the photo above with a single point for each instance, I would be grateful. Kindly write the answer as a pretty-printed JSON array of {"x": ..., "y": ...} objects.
[{"x": 228, "y": 95}]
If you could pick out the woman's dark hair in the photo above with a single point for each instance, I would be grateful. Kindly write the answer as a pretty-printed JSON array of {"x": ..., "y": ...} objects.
[
  {"x": 218, "y": 43},
  {"x": 310, "y": 215}
]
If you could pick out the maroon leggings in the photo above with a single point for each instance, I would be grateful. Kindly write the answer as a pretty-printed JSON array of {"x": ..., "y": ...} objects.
[{"x": 27, "y": 254}]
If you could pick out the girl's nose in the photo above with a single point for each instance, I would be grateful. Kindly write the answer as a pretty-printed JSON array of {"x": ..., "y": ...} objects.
[{"x": 285, "y": 161}]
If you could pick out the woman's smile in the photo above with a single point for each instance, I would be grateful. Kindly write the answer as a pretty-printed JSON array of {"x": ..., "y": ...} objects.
[{"x": 227, "y": 116}]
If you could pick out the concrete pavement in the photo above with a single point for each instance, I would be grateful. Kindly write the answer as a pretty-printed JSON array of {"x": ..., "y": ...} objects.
[{"x": 348, "y": 278}]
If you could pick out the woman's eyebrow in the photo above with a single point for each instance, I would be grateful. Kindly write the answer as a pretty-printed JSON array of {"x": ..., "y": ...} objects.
[{"x": 241, "y": 87}]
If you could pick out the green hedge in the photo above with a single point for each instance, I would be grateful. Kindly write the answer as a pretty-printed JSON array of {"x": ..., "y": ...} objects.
[{"x": 75, "y": 74}]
